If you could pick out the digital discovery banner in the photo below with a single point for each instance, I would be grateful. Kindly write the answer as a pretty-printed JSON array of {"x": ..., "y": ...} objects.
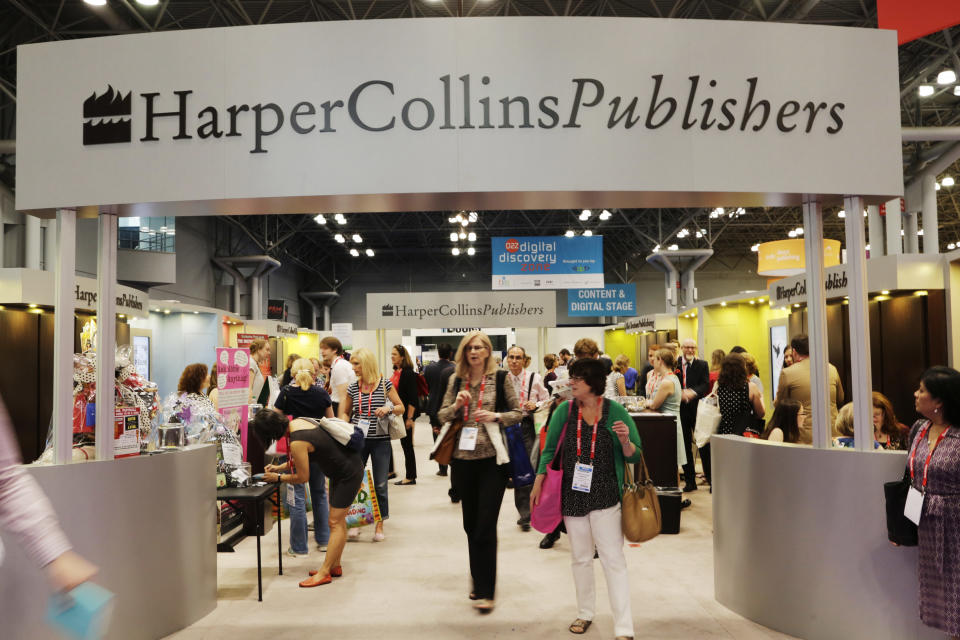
[
  {"x": 611, "y": 300},
  {"x": 547, "y": 262}
]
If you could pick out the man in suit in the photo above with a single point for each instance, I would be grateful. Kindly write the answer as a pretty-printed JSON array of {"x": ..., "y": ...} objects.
[
  {"x": 694, "y": 377},
  {"x": 437, "y": 375},
  {"x": 795, "y": 383}
]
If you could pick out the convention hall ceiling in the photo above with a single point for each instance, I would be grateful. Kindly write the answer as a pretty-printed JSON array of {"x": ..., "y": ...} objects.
[{"x": 630, "y": 234}]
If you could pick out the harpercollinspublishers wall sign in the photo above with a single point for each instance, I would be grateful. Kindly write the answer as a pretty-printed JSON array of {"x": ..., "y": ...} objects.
[
  {"x": 547, "y": 262},
  {"x": 273, "y": 114},
  {"x": 452, "y": 309}
]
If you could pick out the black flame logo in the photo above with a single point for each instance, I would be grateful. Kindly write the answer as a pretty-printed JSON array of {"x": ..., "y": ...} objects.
[
  {"x": 107, "y": 117},
  {"x": 386, "y": 310}
]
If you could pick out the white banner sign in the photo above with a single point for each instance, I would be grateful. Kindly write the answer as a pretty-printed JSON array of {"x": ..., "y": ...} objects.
[
  {"x": 500, "y": 112},
  {"x": 460, "y": 309},
  {"x": 273, "y": 328}
]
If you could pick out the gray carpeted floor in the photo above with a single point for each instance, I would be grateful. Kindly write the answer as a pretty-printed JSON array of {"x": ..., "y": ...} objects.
[{"x": 415, "y": 583}]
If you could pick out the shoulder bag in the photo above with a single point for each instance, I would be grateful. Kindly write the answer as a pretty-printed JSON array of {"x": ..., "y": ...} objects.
[
  {"x": 708, "y": 419},
  {"x": 900, "y": 529},
  {"x": 396, "y": 426},
  {"x": 444, "y": 451},
  {"x": 640, "y": 510},
  {"x": 547, "y": 514}
]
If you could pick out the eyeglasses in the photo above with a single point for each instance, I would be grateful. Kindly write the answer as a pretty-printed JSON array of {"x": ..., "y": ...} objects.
[
  {"x": 576, "y": 379},
  {"x": 514, "y": 357},
  {"x": 474, "y": 347}
]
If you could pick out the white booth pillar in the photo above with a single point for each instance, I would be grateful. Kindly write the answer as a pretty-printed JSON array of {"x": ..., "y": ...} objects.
[
  {"x": 817, "y": 321},
  {"x": 861, "y": 390},
  {"x": 875, "y": 225},
  {"x": 931, "y": 239},
  {"x": 32, "y": 241},
  {"x": 106, "y": 333},
  {"x": 63, "y": 305},
  {"x": 894, "y": 239},
  {"x": 911, "y": 238}
]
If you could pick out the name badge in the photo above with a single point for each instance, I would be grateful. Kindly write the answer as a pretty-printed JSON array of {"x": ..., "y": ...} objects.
[
  {"x": 582, "y": 477},
  {"x": 468, "y": 438},
  {"x": 291, "y": 497},
  {"x": 914, "y": 506},
  {"x": 364, "y": 425}
]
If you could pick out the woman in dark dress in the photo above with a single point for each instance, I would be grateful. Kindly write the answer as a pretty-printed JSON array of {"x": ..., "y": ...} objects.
[
  {"x": 342, "y": 465},
  {"x": 737, "y": 397},
  {"x": 936, "y": 448},
  {"x": 600, "y": 436},
  {"x": 404, "y": 380}
]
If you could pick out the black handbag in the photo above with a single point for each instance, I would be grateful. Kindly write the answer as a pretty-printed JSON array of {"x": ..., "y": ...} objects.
[{"x": 900, "y": 529}]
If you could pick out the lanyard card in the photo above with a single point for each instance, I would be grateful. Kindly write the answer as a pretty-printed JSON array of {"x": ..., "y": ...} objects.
[
  {"x": 914, "y": 506},
  {"x": 364, "y": 424},
  {"x": 582, "y": 477},
  {"x": 468, "y": 438},
  {"x": 291, "y": 497}
]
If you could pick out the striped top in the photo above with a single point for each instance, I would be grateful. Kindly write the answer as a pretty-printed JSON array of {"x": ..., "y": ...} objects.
[{"x": 364, "y": 407}]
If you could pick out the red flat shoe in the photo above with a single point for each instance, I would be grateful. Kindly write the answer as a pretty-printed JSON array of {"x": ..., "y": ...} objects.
[
  {"x": 336, "y": 572},
  {"x": 310, "y": 582}
]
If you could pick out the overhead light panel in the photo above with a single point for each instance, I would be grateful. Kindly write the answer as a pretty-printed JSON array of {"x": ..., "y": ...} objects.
[
  {"x": 952, "y": 246},
  {"x": 947, "y": 76},
  {"x": 340, "y": 218},
  {"x": 585, "y": 214},
  {"x": 339, "y": 238},
  {"x": 96, "y": 3},
  {"x": 792, "y": 233},
  {"x": 569, "y": 233},
  {"x": 936, "y": 186},
  {"x": 354, "y": 253},
  {"x": 472, "y": 237},
  {"x": 799, "y": 231},
  {"x": 453, "y": 236},
  {"x": 455, "y": 251},
  {"x": 320, "y": 219},
  {"x": 471, "y": 251},
  {"x": 947, "y": 181},
  {"x": 956, "y": 90},
  {"x": 656, "y": 248},
  {"x": 605, "y": 215},
  {"x": 588, "y": 233},
  {"x": 673, "y": 247},
  {"x": 472, "y": 216},
  {"x": 452, "y": 220},
  {"x": 925, "y": 90},
  {"x": 841, "y": 214},
  {"x": 462, "y": 235},
  {"x": 357, "y": 238},
  {"x": 369, "y": 253},
  {"x": 755, "y": 248},
  {"x": 148, "y": 3}
]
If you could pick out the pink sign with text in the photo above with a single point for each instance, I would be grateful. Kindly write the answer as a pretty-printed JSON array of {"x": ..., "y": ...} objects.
[{"x": 233, "y": 382}]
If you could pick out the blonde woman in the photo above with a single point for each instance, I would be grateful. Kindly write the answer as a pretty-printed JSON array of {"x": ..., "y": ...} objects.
[
  {"x": 303, "y": 399},
  {"x": 366, "y": 403},
  {"x": 478, "y": 396},
  {"x": 616, "y": 383}
]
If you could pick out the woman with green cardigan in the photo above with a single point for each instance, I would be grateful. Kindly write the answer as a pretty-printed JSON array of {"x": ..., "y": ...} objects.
[{"x": 600, "y": 439}]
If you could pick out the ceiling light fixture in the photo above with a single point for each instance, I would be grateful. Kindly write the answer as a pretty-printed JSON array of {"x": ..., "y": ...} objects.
[
  {"x": 148, "y": 3},
  {"x": 792, "y": 233},
  {"x": 569, "y": 233},
  {"x": 656, "y": 248},
  {"x": 369, "y": 253},
  {"x": 673, "y": 247},
  {"x": 947, "y": 76},
  {"x": 453, "y": 236},
  {"x": 96, "y": 3},
  {"x": 585, "y": 214},
  {"x": 841, "y": 214},
  {"x": 925, "y": 90},
  {"x": 956, "y": 90},
  {"x": 472, "y": 216},
  {"x": 357, "y": 238},
  {"x": 455, "y": 251},
  {"x": 471, "y": 251},
  {"x": 339, "y": 238},
  {"x": 340, "y": 218},
  {"x": 462, "y": 235},
  {"x": 952, "y": 246},
  {"x": 464, "y": 222},
  {"x": 755, "y": 248},
  {"x": 936, "y": 186},
  {"x": 723, "y": 304},
  {"x": 605, "y": 215},
  {"x": 947, "y": 181},
  {"x": 354, "y": 253},
  {"x": 588, "y": 233},
  {"x": 472, "y": 237},
  {"x": 799, "y": 231},
  {"x": 320, "y": 219}
]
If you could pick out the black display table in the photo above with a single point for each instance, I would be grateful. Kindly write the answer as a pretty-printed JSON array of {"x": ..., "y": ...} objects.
[
  {"x": 257, "y": 496},
  {"x": 658, "y": 435}
]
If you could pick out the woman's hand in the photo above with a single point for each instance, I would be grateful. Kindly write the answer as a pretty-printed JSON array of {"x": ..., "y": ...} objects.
[
  {"x": 529, "y": 406},
  {"x": 463, "y": 398},
  {"x": 536, "y": 490},
  {"x": 69, "y": 570},
  {"x": 271, "y": 468},
  {"x": 270, "y": 476},
  {"x": 485, "y": 416},
  {"x": 623, "y": 432},
  {"x": 382, "y": 411}
]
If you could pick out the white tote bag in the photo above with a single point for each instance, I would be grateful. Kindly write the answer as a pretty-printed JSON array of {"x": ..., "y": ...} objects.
[{"x": 708, "y": 420}]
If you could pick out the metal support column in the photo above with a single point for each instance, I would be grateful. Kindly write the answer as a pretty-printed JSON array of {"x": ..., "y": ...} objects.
[
  {"x": 911, "y": 237},
  {"x": 64, "y": 298},
  {"x": 893, "y": 220},
  {"x": 32, "y": 241},
  {"x": 817, "y": 322},
  {"x": 875, "y": 225},
  {"x": 931, "y": 238},
  {"x": 106, "y": 333},
  {"x": 861, "y": 390}
]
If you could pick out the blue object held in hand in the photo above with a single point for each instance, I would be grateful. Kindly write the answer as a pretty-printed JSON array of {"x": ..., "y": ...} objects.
[
  {"x": 258, "y": 477},
  {"x": 83, "y": 613}
]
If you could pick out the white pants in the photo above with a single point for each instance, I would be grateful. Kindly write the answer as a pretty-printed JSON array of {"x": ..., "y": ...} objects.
[{"x": 601, "y": 530}]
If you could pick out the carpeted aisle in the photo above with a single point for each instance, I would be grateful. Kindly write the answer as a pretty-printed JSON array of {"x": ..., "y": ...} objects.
[{"x": 414, "y": 585}]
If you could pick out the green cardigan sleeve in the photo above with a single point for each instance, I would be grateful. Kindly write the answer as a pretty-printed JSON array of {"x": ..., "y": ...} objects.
[
  {"x": 554, "y": 429},
  {"x": 618, "y": 412}
]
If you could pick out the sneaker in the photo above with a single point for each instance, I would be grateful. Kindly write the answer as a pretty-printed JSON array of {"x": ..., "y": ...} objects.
[
  {"x": 293, "y": 554},
  {"x": 322, "y": 548}
]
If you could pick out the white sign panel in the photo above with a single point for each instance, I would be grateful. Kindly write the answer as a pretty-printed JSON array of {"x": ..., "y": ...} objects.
[
  {"x": 273, "y": 328},
  {"x": 461, "y": 309},
  {"x": 343, "y": 331},
  {"x": 517, "y": 112}
]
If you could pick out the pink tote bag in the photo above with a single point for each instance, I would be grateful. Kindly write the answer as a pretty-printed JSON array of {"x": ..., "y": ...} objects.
[{"x": 546, "y": 515}]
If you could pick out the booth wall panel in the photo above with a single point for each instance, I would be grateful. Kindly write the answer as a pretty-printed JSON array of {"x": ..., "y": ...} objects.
[
  {"x": 876, "y": 345},
  {"x": 902, "y": 328},
  {"x": 838, "y": 343},
  {"x": 45, "y": 368},
  {"x": 117, "y": 514},
  {"x": 18, "y": 380},
  {"x": 936, "y": 315},
  {"x": 616, "y": 342},
  {"x": 797, "y": 323},
  {"x": 777, "y": 507}
]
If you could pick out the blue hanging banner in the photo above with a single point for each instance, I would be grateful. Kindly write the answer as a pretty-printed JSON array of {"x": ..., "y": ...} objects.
[
  {"x": 611, "y": 300},
  {"x": 547, "y": 262}
]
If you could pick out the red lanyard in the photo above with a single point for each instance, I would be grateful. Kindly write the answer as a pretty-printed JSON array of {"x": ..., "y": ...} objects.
[
  {"x": 523, "y": 389},
  {"x": 466, "y": 407},
  {"x": 369, "y": 400},
  {"x": 593, "y": 440},
  {"x": 913, "y": 452}
]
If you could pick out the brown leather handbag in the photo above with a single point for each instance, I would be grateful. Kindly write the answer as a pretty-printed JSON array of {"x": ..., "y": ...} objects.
[
  {"x": 640, "y": 509},
  {"x": 444, "y": 451}
]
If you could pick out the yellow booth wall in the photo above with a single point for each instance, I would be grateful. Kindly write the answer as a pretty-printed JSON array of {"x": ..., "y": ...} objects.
[
  {"x": 745, "y": 325},
  {"x": 618, "y": 341},
  {"x": 305, "y": 345},
  {"x": 687, "y": 328}
]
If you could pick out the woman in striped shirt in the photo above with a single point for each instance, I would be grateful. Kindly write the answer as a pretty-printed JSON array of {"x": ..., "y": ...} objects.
[{"x": 368, "y": 399}]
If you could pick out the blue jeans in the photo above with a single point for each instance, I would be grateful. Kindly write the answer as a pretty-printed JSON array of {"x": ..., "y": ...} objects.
[
  {"x": 381, "y": 452},
  {"x": 321, "y": 512}
]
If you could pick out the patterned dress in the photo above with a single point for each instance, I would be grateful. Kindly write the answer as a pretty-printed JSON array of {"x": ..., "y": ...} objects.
[
  {"x": 733, "y": 404},
  {"x": 939, "y": 551},
  {"x": 604, "y": 492}
]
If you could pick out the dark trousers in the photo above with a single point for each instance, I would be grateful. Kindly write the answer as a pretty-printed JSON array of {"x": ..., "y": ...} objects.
[
  {"x": 705, "y": 459},
  {"x": 409, "y": 459},
  {"x": 480, "y": 484},
  {"x": 434, "y": 427},
  {"x": 521, "y": 495},
  {"x": 688, "y": 419}
]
